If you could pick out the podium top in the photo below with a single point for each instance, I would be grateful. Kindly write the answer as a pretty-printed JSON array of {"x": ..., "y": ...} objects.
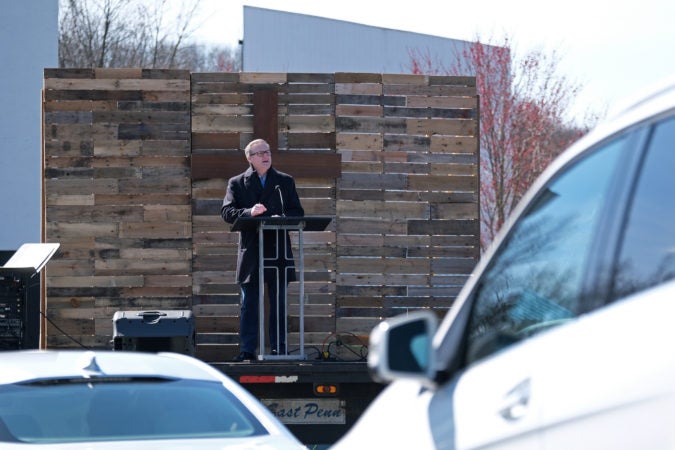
[
  {"x": 309, "y": 223},
  {"x": 31, "y": 256}
]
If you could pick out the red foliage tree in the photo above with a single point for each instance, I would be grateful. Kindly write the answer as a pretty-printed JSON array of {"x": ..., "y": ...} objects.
[{"x": 522, "y": 120}]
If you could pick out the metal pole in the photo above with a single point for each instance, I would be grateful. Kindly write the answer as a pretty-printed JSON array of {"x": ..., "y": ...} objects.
[
  {"x": 301, "y": 263},
  {"x": 261, "y": 292}
]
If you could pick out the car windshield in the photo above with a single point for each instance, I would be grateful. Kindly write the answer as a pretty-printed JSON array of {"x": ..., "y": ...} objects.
[{"x": 121, "y": 409}]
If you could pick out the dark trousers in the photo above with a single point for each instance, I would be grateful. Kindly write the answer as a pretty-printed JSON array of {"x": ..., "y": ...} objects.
[{"x": 248, "y": 321}]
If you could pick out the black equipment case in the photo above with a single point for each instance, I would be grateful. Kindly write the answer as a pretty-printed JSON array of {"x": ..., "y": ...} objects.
[{"x": 154, "y": 331}]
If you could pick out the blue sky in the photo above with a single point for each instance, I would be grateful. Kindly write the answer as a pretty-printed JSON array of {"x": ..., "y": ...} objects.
[{"x": 612, "y": 48}]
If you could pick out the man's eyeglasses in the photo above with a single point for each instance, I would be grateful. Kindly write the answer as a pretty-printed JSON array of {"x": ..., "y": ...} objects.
[{"x": 260, "y": 153}]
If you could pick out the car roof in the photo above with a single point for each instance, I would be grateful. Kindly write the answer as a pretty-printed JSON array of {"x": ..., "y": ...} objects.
[{"x": 17, "y": 366}]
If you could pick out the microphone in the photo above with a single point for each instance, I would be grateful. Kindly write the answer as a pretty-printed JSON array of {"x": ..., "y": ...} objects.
[{"x": 281, "y": 197}]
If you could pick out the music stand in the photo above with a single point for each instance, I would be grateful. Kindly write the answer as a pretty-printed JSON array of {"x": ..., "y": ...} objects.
[{"x": 294, "y": 223}]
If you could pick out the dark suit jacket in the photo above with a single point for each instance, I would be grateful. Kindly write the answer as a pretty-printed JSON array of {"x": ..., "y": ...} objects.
[{"x": 244, "y": 191}]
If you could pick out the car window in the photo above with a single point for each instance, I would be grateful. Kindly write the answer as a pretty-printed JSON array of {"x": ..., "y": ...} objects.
[
  {"x": 647, "y": 255},
  {"x": 102, "y": 410},
  {"x": 534, "y": 281}
]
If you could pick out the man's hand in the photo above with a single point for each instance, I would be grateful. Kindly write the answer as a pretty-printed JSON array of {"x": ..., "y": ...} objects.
[{"x": 258, "y": 209}]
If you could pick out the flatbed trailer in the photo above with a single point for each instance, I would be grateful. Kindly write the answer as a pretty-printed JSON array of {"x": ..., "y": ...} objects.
[{"x": 318, "y": 400}]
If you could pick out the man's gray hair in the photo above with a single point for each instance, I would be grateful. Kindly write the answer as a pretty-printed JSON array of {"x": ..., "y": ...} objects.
[{"x": 254, "y": 143}]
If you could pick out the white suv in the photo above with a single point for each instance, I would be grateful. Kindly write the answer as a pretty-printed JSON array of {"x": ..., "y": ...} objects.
[{"x": 563, "y": 337}]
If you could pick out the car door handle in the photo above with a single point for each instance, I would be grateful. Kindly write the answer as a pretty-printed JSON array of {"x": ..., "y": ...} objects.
[{"x": 516, "y": 401}]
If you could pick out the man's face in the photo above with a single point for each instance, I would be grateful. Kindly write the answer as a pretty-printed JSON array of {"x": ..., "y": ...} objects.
[{"x": 260, "y": 158}]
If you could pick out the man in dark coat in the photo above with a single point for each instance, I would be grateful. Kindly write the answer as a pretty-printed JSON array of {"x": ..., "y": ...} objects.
[{"x": 262, "y": 191}]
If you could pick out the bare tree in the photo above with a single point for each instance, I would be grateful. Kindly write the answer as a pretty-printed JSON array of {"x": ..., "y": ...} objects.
[
  {"x": 523, "y": 124},
  {"x": 128, "y": 33}
]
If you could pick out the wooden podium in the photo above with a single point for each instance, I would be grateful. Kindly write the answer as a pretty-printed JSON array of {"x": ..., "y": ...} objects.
[{"x": 299, "y": 224}]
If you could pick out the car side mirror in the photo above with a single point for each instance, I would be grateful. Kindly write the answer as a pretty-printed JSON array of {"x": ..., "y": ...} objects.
[{"x": 400, "y": 347}]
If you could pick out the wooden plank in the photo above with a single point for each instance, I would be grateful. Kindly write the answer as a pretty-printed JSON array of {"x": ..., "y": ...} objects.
[
  {"x": 57, "y": 230},
  {"x": 366, "y": 265},
  {"x": 435, "y": 113},
  {"x": 263, "y": 78},
  {"x": 373, "y": 181},
  {"x": 175, "y": 280},
  {"x": 218, "y": 77},
  {"x": 424, "y": 101},
  {"x": 454, "y": 211},
  {"x": 266, "y": 117},
  {"x": 454, "y": 144},
  {"x": 413, "y": 168},
  {"x": 347, "y": 240},
  {"x": 229, "y": 98},
  {"x": 438, "y": 252},
  {"x": 358, "y": 88},
  {"x": 372, "y": 251},
  {"x": 359, "y": 110},
  {"x": 455, "y": 127},
  {"x": 80, "y": 105},
  {"x": 118, "y": 73},
  {"x": 439, "y": 227},
  {"x": 215, "y": 141},
  {"x": 453, "y": 265},
  {"x": 148, "y": 184},
  {"x": 141, "y": 267},
  {"x": 346, "y": 124},
  {"x": 68, "y": 200},
  {"x": 372, "y": 226},
  {"x": 360, "y": 99},
  {"x": 115, "y": 84},
  {"x": 356, "y": 325},
  {"x": 306, "y": 99},
  {"x": 357, "y": 77},
  {"x": 72, "y": 327},
  {"x": 382, "y": 210},
  {"x": 299, "y": 165},
  {"x": 432, "y": 91},
  {"x": 377, "y": 279},
  {"x": 96, "y": 281},
  {"x": 442, "y": 183},
  {"x": 157, "y": 230},
  {"x": 311, "y": 140},
  {"x": 309, "y": 124},
  {"x": 365, "y": 167},
  {"x": 142, "y": 199},
  {"x": 307, "y": 88},
  {"x": 134, "y": 117},
  {"x": 322, "y": 109},
  {"x": 95, "y": 214},
  {"x": 452, "y": 80},
  {"x": 218, "y": 124},
  {"x": 310, "y": 77},
  {"x": 358, "y": 141},
  {"x": 454, "y": 169},
  {"x": 405, "y": 79}
]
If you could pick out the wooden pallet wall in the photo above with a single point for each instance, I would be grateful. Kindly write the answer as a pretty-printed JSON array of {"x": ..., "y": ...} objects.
[
  {"x": 116, "y": 196},
  {"x": 393, "y": 158},
  {"x": 407, "y": 200}
]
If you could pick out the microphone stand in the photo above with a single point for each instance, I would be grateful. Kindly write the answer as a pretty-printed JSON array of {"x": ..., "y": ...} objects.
[{"x": 281, "y": 197}]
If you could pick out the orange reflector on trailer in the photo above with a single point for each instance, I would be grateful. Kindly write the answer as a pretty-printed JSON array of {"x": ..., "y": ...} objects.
[{"x": 325, "y": 389}]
